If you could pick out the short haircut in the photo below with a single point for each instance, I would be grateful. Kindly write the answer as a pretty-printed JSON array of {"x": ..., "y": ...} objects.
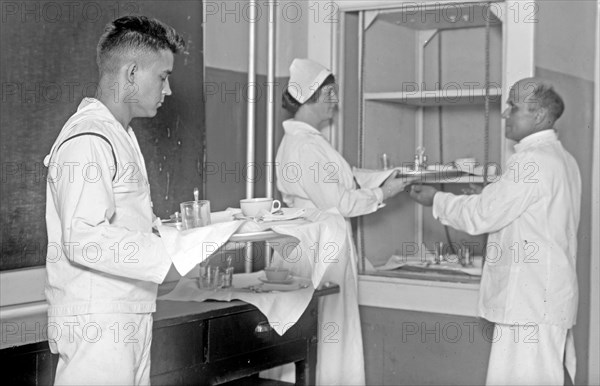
[
  {"x": 544, "y": 96},
  {"x": 292, "y": 105},
  {"x": 133, "y": 36}
]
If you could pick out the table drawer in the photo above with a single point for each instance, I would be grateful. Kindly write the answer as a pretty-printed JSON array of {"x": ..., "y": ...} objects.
[
  {"x": 245, "y": 332},
  {"x": 177, "y": 347}
]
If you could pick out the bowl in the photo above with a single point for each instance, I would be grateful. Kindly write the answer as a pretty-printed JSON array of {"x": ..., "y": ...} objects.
[{"x": 276, "y": 274}]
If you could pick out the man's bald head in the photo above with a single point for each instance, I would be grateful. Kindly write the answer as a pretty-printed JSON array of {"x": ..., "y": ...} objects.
[{"x": 539, "y": 93}]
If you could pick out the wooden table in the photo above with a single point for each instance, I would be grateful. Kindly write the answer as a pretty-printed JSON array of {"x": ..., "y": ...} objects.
[
  {"x": 202, "y": 343},
  {"x": 211, "y": 342}
]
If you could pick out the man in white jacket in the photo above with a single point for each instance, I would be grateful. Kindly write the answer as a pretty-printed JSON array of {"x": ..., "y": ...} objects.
[
  {"x": 104, "y": 263},
  {"x": 529, "y": 282}
]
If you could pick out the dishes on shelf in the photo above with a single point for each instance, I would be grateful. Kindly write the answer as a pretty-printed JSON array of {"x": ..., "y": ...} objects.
[
  {"x": 424, "y": 98},
  {"x": 439, "y": 172}
]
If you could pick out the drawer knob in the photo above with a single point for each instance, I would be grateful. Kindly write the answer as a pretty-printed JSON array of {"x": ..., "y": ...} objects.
[{"x": 262, "y": 327}]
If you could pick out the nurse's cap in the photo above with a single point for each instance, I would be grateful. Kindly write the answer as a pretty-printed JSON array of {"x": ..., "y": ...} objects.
[{"x": 306, "y": 76}]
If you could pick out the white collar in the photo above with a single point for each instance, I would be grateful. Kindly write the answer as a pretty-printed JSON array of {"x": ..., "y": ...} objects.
[
  {"x": 294, "y": 127},
  {"x": 532, "y": 139},
  {"x": 93, "y": 103}
]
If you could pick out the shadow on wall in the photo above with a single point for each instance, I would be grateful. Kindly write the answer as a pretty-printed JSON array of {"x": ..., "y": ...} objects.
[{"x": 226, "y": 105}]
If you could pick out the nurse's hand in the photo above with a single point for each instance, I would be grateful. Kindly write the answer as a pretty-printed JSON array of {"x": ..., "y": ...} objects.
[
  {"x": 423, "y": 194},
  {"x": 392, "y": 186}
]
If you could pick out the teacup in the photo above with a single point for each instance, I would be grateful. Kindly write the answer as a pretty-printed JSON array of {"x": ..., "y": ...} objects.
[
  {"x": 254, "y": 207},
  {"x": 277, "y": 274}
]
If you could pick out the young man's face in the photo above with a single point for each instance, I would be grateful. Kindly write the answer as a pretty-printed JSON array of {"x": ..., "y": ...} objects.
[{"x": 151, "y": 84}]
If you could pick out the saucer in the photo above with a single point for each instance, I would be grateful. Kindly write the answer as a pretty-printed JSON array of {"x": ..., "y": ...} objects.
[
  {"x": 240, "y": 216},
  {"x": 289, "y": 280}
]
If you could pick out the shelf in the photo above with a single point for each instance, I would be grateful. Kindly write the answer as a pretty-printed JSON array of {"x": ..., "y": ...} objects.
[
  {"x": 420, "y": 292},
  {"x": 425, "y": 72},
  {"x": 444, "y": 174},
  {"x": 436, "y": 98},
  {"x": 468, "y": 179},
  {"x": 441, "y": 16}
]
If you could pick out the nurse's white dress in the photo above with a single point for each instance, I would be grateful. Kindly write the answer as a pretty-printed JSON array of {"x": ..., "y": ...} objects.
[{"x": 312, "y": 174}]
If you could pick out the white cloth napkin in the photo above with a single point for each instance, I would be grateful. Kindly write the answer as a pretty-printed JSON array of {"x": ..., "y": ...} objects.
[
  {"x": 307, "y": 246},
  {"x": 190, "y": 247},
  {"x": 313, "y": 246},
  {"x": 282, "y": 304},
  {"x": 224, "y": 216},
  {"x": 371, "y": 179},
  {"x": 285, "y": 214}
]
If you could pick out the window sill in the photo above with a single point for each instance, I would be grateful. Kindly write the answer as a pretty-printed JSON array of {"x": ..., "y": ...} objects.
[{"x": 441, "y": 294}]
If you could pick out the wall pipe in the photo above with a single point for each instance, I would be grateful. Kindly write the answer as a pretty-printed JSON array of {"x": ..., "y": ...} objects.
[
  {"x": 270, "y": 112},
  {"x": 251, "y": 102},
  {"x": 270, "y": 99},
  {"x": 250, "y": 128}
]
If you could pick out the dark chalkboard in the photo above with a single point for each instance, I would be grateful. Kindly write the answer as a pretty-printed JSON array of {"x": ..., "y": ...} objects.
[{"x": 47, "y": 65}]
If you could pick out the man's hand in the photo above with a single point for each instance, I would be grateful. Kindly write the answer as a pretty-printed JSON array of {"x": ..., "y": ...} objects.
[
  {"x": 472, "y": 189},
  {"x": 393, "y": 185},
  {"x": 423, "y": 194}
]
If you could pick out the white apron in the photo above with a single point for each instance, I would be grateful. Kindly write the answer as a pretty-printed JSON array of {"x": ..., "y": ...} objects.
[
  {"x": 312, "y": 174},
  {"x": 340, "y": 358},
  {"x": 531, "y": 355}
]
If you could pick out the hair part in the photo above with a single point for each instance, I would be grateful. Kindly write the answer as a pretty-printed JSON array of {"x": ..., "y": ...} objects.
[
  {"x": 134, "y": 36},
  {"x": 544, "y": 96},
  {"x": 292, "y": 105}
]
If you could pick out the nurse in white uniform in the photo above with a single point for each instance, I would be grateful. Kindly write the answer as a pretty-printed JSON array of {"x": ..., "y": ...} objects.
[{"x": 312, "y": 174}]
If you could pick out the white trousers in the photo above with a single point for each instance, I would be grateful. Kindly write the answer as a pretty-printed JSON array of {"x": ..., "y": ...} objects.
[
  {"x": 531, "y": 354},
  {"x": 101, "y": 349}
]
